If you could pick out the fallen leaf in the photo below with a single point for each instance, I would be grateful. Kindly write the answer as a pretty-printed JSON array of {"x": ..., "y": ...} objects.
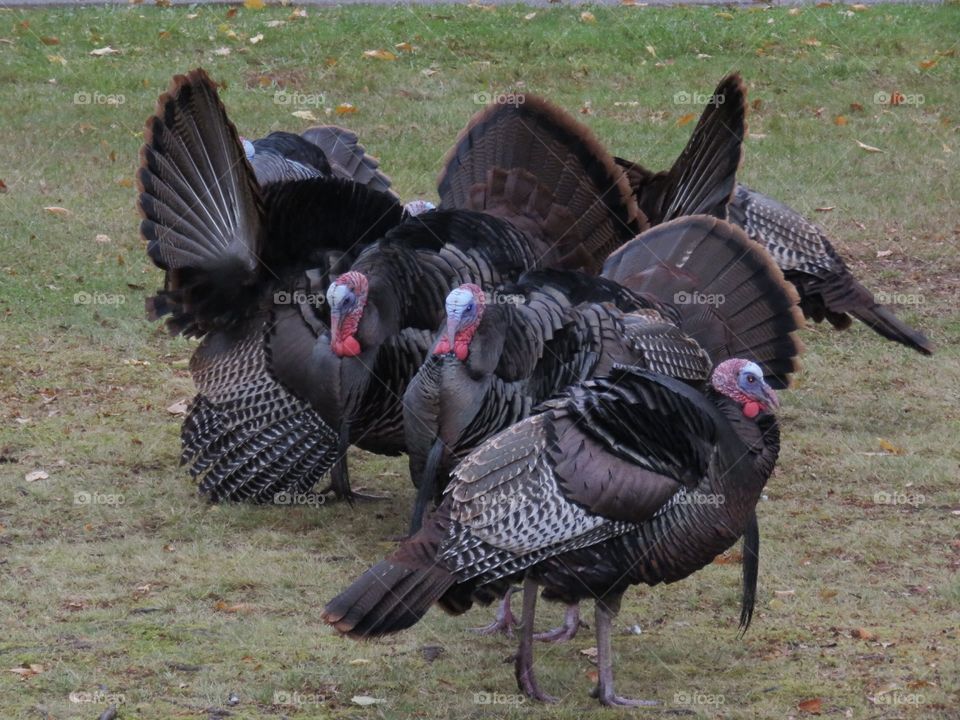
[
  {"x": 404, "y": 47},
  {"x": 180, "y": 407},
  {"x": 232, "y": 12},
  {"x": 587, "y": 17},
  {"x": 275, "y": 23},
  {"x": 827, "y": 594},
  {"x": 728, "y": 557},
  {"x": 652, "y": 50},
  {"x": 125, "y": 182},
  {"x": 812, "y": 706},
  {"x": 345, "y": 109},
  {"x": 869, "y": 148},
  {"x": 883, "y": 253},
  {"x": 827, "y": 208},
  {"x": 890, "y": 448},
  {"x": 50, "y": 40},
  {"x": 840, "y": 120},
  {"x": 379, "y": 55},
  {"x": 305, "y": 115},
  {"x": 298, "y": 13},
  {"x": 253, "y": 4},
  {"x": 104, "y": 51},
  {"x": 856, "y": 107},
  {"x": 225, "y": 607},
  {"x": 25, "y": 671},
  {"x": 101, "y": 238},
  {"x": 812, "y": 42},
  {"x": 724, "y": 15},
  {"x": 529, "y": 16},
  {"x": 58, "y": 211},
  {"x": 859, "y": 7},
  {"x": 794, "y": 11},
  {"x": 365, "y": 700},
  {"x": 590, "y": 652},
  {"x": 784, "y": 593},
  {"x": 862, "y": 634},
  {"x": 927, "y": 64},
  {"x": 3, "y": 187},
  {"x": 36, "y": 475},
  {"x": 684, "y": 119},
  {"x": 57, "y": 59},
  {"x": 164, "y": 35},
  {"x": 222, "y": 51},
  {"x": 359, "y": 661},
  {"x": 256, "y": 38}
]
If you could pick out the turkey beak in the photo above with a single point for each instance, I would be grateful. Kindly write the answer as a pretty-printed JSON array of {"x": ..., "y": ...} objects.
[
  {"x": 770, "y": 397},
  {"x": 453, "y": 324}
]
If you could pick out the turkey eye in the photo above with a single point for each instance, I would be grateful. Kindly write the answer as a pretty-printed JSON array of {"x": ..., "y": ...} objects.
[{"x": 751, "y": 379}]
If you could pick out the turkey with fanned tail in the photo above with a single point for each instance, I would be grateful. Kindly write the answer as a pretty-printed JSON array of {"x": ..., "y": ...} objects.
[
  {"x": 247, "y": 265},
  {"x": 524, "y": 187},
  {"x": 627, "y": 479}
]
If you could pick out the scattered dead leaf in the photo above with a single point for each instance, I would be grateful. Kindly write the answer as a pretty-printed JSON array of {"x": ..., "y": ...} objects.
[
  {"x": 587, "y": 17},
  {"x": 883, "y": 253},
  {"x": 827, "y": 594},
  {"x": 49, "y": 40},
  {"x": 3, "y": 186},
  {"x": 862, "y": 634},
  {"x": 305, "y": 115},
  {"x": 35, "y": 475},
  {"x": 529, "y": 16},
  {"x": 828, "y": 208},
  {"x": 104, "y": 51},
  {"x": 724, "y": 15},
  {"x": 379, "y": 55},
  {"x": 812, "y": 706},
  {"x": 180, "y": 407},
  {"x": 812, "y": 42},
  {"x": 253, "y": 4},
  {"x": 590, "y": 652},
  {"x": 856, "y": 107},
  {"x": 840, "y": 120},
  {"x": 869, "y": 148},
  {"x": 928, "y": 64},
  {"x": 57, "y": 59},
  {"x": 366, "y": 700},
  {"x": 26, "y": 671},
  {"x": 652, "y": 50},
  {"x": 404, "y": 47},
  {"x": 256, "y": 38},
  {"x": 685, "y": 119},
  {"x": 890, "y": 448},
  {"x": 345, "y": 109},
  {"x": 101, "y": 238},
  {"x": 235, "y": 608}
]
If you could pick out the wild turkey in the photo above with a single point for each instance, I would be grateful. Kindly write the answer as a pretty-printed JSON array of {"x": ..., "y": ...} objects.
[
  {"x": 525, "y": 186},
  {"x": 633, "y": 478},
  {"x": 828, "y": 290},
  {"x": 496, "y": 360},
  {"x": 325, "y": 151},
  {"x": 246, "y": 269}
]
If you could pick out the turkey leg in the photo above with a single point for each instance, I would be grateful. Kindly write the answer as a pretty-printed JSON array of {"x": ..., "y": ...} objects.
[
  {"x": 604, "y": 692},
  {"x": 523, "y": 662}
]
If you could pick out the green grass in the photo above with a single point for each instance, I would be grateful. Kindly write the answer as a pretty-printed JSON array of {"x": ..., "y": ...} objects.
[{"x": 175, "y": 605}]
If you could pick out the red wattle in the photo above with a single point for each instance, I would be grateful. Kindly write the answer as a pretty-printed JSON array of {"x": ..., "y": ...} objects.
[
  {"x": 347, "y": 347},
  {"x": 461, "y": 349},
  {"x": 442, "y": 348},
  {"x": 752, "y": 409}
]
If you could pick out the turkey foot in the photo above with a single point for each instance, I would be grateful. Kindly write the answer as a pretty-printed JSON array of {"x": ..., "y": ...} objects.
[
  {"x": 523, "y": 661},
  {"x": 504, "y": 622},
  {"x": 567, "y": 631},
  {"x": 604, "y": 692},
  {"x": 340, "y": 476}
]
